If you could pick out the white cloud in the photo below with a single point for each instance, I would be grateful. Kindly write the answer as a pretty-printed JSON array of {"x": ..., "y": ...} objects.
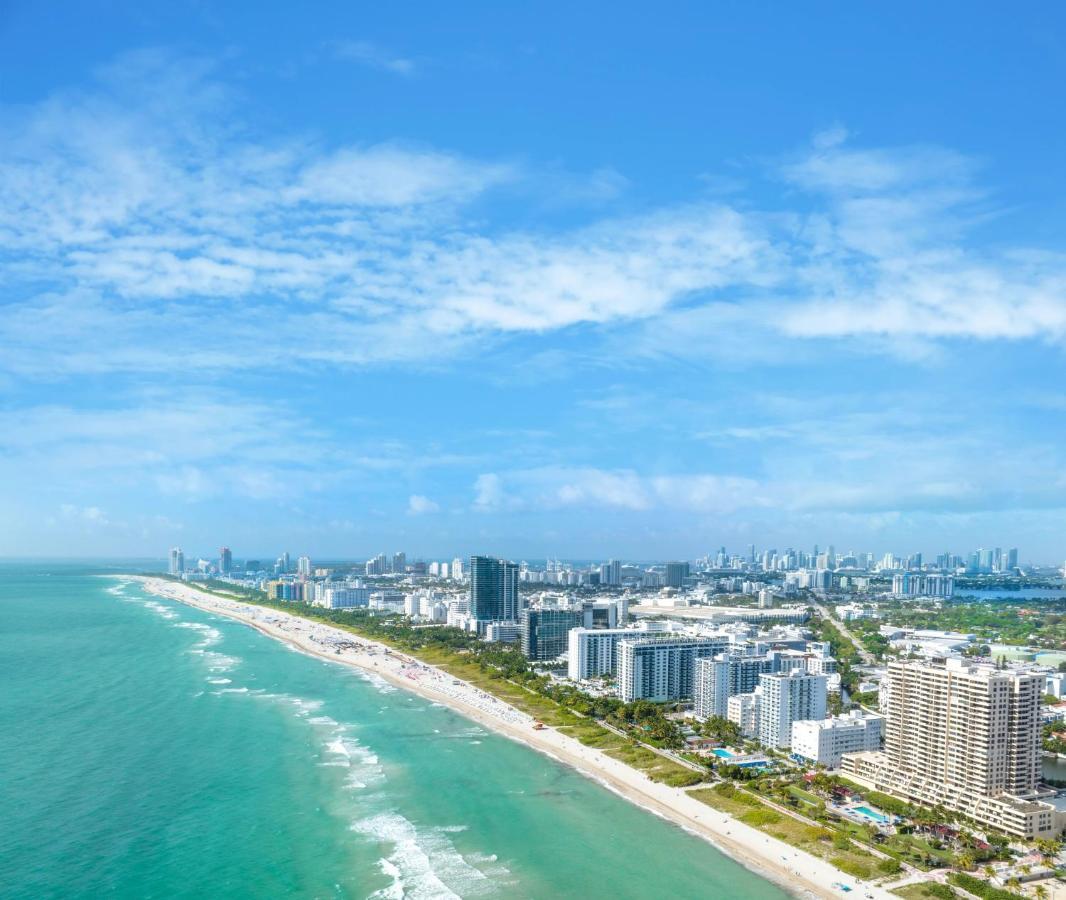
[
  {"x": 392, "y": 175},
  {"x": 155, "y": 218},
  {"x": 488, "y": 492},
  {"x": 418, "y": 505}
]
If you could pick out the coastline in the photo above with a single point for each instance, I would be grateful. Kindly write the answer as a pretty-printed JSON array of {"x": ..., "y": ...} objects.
[{"x": 791, "y": 869}]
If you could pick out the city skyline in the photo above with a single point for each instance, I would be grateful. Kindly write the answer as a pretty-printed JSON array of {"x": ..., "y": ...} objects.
[{"x": 714, "y": 284}]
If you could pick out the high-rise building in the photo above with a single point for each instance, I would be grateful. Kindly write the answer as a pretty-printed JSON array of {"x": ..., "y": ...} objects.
[
  {"x": 303, "y": 566},
  {"x": 494, "y": 593},
  {"x": 787, "y": 697},
  {"x": 177, "y": 561},
  {"x": 544, "y": 632},
  {"x": 399, "y": 563},
  {"x": 721, "y": 677},
  {"x": 592, "y": 653},
  {"x": 661, "y": 667},
  {"x": 1012, "y": 559},
  {"x": 225, "y": 561},
  {"x": 611, "y": 572},
  {"x": 457, "y": 569},
  {"x": 377, "y": 566},
  {"x": 913, "y": 584},
  {"x": 676, "y": 573},
  {"x": 966, "y": 737}
]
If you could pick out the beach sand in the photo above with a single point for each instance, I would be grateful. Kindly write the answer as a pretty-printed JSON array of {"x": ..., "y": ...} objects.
[{"x": 792, "y": 869}]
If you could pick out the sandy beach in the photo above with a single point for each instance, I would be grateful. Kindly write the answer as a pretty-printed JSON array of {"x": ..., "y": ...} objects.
[{"x": 794, "y": 870}]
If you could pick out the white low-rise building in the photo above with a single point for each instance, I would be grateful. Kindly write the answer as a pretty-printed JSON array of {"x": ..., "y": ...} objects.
[
  {"x": 1056, "y": 684},
  {"x": 853, "y": 612},
  {"x": 823, "y": 741},
  {"x": 502, "y": 632}
]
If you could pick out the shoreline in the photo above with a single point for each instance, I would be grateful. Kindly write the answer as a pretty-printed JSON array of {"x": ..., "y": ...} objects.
[{"x": 793, "y": 870}]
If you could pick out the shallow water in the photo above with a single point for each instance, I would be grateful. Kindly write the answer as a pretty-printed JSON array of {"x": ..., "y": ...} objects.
[{"x": 153, "y": 750}]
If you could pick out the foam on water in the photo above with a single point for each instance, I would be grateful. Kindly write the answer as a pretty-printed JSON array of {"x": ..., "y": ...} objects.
[
  {"x": 165, "y": 611},
  {"x": 219, "y": 662},
  {"x": 423, "y": 863},
  {"x": 379, "y": 683},
  {"x": 218, "y": 681}
]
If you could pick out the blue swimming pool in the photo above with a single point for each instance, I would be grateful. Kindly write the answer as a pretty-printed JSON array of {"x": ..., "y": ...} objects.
[
  {"x": 873, "y": 815},
  {"x": 724, "y": 754}
]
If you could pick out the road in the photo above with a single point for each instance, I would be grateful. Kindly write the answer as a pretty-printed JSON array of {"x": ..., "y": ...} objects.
[{"x": 865, "y": 655}]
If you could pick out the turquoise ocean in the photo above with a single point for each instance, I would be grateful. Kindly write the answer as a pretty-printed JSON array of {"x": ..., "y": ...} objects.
[{"x": 148, "y": 749}]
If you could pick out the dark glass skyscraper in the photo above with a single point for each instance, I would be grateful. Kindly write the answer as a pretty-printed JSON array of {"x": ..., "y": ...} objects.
[
  {"x": 545, "y": 632},
  {"x": 493, "y": 590}
]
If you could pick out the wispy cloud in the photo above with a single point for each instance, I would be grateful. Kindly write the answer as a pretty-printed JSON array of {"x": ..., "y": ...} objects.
[{"x": 369, "y": 54}]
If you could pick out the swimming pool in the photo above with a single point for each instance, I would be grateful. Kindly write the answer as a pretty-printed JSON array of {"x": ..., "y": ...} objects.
[
  {"x": 723, "y": 754},
  {"x": 873, "y": 815}
]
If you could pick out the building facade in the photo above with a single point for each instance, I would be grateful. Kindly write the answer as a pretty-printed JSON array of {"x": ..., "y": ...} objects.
[
  {"x": 544, "y": 632},
  {"x": 592, "y": 652},
  {"x": 786, "y": 697},
  {"x": 661, "y": 667},
  {"x": 493, "y": 590},
  {"x": 966, "y": 737},
  {"x": 825, "y": 741},
  {"x": 719, "y": 678}
]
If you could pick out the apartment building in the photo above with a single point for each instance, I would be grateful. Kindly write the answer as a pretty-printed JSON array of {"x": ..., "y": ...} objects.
[{"x": 966, "y": 737}]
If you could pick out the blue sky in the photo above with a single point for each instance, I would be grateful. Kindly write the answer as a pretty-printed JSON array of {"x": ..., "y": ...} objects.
[{"x": 606, "y": 281}]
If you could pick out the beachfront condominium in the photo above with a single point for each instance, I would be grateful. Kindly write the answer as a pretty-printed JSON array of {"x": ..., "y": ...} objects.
[
  {"x": 341, "y": 596},
  {"x": 723, "y": 676},
  {"x": 966, "y": 737},
  {"x": 225, "y": 561},
  {"x": 825, "y": 741},
  {"x": 592, "y": 652},
  {"x": 493, "y": 590},
  {"x": 786, "y": 697},
  {"x": 176, "y": 561},
  {"x": 660, "y": 667},
  {"x": 543, "y": 632}
]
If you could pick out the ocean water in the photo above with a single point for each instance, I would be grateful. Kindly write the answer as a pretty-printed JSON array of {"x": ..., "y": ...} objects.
[{"x": 148, "y": 749}]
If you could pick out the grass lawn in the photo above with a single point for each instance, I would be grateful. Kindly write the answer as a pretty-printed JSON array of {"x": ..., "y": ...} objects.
[
  {"x": 914, "y": 849},
  {"x": 813, "y": 839},
  {"x": 806, "y": 797},
  {"x": 931, "y": 891}
]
